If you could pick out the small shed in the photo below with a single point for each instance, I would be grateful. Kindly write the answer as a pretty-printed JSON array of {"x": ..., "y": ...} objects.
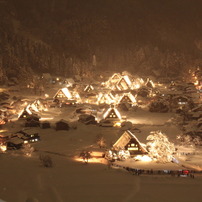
[
  {"x": 62, "y": 125},
  {"x": 32, "y": 123},
  {"x": 87, "y": 119},
  {"x": 45, "y": 125}
]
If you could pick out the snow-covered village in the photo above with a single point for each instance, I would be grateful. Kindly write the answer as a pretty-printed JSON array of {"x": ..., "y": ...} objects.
[
  {"x": 100, "y": 100},
  {"x": 65, "y": 135}
]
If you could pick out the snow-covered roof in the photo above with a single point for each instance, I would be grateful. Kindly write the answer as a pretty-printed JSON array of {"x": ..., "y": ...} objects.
[
  {"x": 62, "y": 121},
  {"x": 110, "y": 110},
  {"x": 105, "y": 98},
  {"x": 129, "y": 95},
  {"x": 90, "y": 87},
  {"x": 25, "y": 110},
  {"x": 125, "y": 139},
  {"x": 120, "y": 84},
  {"x": 65, "y": 91},
  {"x": 16, "y": 140},
  {"x": 149, "y": 82},
  {"x": 115, "y": 77}
]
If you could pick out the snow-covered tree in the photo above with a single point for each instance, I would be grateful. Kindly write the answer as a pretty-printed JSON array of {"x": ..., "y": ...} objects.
[
  {"x": 27, "y": 150},
  {"x": 159, "y": 147},
  {"x": 46, "y": 160},
  {"x": 189, "y": 140}
]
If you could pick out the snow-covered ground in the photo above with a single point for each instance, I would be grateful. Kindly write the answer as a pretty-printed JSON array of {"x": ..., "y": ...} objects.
[{"x": 25, "y": 179}]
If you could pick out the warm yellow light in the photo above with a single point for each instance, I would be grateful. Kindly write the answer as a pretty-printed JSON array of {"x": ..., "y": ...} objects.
[
  {"x": 3, "y": 148},
  {"x": 196, "y": 83},
  {"x": 144, "y": 158},
  {"x": 137, "y": 86},
  {"x": 2, "y": 131},
  {"x": 43, "y": 119},
  {"x": 117, "y": 124},
  {"x": 90, "y": 160}
]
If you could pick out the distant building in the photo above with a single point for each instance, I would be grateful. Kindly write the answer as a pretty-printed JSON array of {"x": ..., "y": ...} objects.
[
  {"x": 112, "y": 114},
  {"x": 88, "y": 88},
  {"x": 63, "y": 93},
  {"x": 124, "y": 83},
  {"x": 127, "y": 98}
]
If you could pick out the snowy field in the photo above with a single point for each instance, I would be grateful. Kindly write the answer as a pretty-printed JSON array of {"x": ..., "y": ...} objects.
[{"x": 25, "y": 179}]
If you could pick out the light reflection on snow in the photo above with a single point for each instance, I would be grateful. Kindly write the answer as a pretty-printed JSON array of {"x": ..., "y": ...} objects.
[
  {"x": 90, "y": 160},
  {"x": 144, "y": 158},
  {"x": 43, "y": 119}
]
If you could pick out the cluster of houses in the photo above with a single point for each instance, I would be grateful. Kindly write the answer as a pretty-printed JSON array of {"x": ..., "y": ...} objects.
[
  {"x": 119, "y": 92},
  {"x": 118, "y": 89},
  {"x": 17, "y": 140}
]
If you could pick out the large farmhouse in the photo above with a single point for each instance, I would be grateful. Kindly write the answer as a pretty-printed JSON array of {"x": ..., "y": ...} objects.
[{"x": 128, "y": 141}]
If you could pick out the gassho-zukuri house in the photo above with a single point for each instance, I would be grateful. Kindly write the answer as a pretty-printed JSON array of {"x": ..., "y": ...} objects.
[
  {"x": 62, "y": 94},
  {"x": 112, "y": 114},
  {"x": 128, "y": 141},
  {"x": 106, "y": 98},
  {"x": 128, "y": 98}
]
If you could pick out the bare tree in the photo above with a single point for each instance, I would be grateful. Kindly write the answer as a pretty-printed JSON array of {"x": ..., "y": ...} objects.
[{"x": 46, "y": 160}]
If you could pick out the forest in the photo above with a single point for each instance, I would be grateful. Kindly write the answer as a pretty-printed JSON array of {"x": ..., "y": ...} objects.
[{"x": 82, "y": 37}]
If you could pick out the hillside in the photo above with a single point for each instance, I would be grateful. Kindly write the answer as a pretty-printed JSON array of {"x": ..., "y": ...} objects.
[{"x": 64, "y": 36}]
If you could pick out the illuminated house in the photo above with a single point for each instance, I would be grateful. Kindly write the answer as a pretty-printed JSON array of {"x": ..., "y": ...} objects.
[
  {"x": 25, "y": 113},
  {"x": 107, "y": 98},
  {"x": 112, "y": 114},
  {"x": 124, "y": 83},
  {"x": 88, "y": 88},
  {"x": 34, "y": 106},
  {"x": 62, "y": 94},
  {"x": 38, "y": 105},
  {"x": 137, "y": 83},
  {"x": 76, "y": 97},
  {"x": 114, "y": 79},
  {"x": 149, "y": 83},
  {"x": 128, "y": 141},
  {"x": 128, "y": 98}
]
